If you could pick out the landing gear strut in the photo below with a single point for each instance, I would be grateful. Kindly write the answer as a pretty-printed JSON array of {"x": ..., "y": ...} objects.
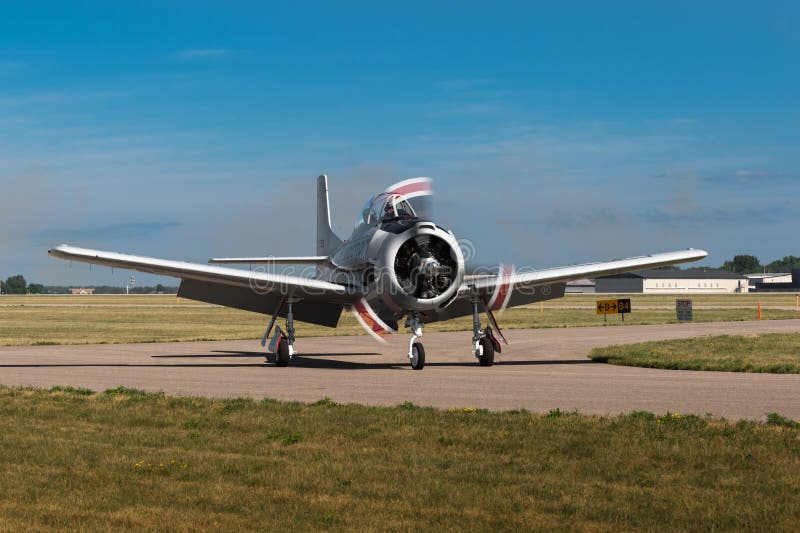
[
  {"x": 416, "y": 351},
  {"x": 484, "y": 341},
  {"x": 282, "y": 345}
]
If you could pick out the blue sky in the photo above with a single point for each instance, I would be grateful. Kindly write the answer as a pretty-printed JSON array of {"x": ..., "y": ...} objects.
[{"x": 557, "y": 132}]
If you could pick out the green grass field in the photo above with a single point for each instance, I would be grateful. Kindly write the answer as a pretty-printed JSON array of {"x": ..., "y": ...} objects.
[
  {"x": 773, "y": 352},
  {"x": 77, "y": 460},
  {"x": 30, "y": 320},
  {"x": 570, "y": 300}
]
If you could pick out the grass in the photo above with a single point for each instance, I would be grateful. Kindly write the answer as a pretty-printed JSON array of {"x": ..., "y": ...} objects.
[
  {"x": 98, "y": 299},
  {"x": 47, "y": 320},
  {"x": 772, "y": 352},
  {"x": 570, "y": 300},
  {"x": 126, "y": 459}
]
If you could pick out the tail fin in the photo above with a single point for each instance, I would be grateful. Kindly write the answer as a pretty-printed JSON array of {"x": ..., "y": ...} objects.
[{"x": 327, "y": 241}]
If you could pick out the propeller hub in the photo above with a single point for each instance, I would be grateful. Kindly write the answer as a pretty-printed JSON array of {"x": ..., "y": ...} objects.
[{"x": 430, "y": 267}]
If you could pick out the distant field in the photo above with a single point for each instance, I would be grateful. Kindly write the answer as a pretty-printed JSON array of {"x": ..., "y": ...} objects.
[
  {"x": 775, "y": 353},
  {"x": 27, "y": 320},
  {"x": 570, "y": 300},
  {"x": 77, "y": 460},
  {"x": 97, "y": 299}
]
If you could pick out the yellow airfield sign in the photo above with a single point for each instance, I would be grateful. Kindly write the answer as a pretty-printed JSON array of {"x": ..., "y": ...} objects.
[{"x": 613, "y": 307}]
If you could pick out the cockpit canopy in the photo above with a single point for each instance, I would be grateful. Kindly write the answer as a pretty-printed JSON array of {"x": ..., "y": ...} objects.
[{"x": 386, "y": 207}]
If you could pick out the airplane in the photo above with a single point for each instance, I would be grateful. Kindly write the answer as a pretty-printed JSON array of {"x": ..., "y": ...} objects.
[{"x": 397, "y": 264}]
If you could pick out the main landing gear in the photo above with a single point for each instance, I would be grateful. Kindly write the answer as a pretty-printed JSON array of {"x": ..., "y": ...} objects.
[
  {"x": 416, "y": 351},
  {"x": 282, "y": 344},
  {"x": 485, "y": 343}
]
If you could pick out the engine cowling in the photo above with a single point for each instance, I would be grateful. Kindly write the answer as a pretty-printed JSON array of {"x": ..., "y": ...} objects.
[{"x": 421, "y": 268}]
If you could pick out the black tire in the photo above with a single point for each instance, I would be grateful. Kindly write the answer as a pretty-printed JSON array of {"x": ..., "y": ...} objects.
[
  {"x": 418, "y": 361},
  {"x": 487, "y": 359},
  {"x": 282, "y": 353}
]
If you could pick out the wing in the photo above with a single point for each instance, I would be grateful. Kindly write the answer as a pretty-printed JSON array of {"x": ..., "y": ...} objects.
[
  {"x": 509, "y": 288},
  {"x": 255, "y": 291},
  {"x": 295, "y": 260}
]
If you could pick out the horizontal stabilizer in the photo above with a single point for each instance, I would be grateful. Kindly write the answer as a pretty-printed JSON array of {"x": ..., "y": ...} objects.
[{"x": 299, "y": 260}]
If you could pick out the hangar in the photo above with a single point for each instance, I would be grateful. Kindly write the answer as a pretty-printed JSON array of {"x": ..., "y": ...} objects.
[
  {"x": 667, "y": 281},
  {"x": 775, "y": 282}
]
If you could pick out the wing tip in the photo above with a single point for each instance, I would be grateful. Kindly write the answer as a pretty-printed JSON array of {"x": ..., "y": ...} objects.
[{"x": 60, "y": 249}]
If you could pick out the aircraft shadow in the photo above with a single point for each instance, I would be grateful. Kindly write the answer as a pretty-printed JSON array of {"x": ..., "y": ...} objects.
[
  {"x": 216, "y": 354},
  {"x": 136, "y": 365},
  {"x": 333, "y": 364},
  {"x": 299, "y": 361}
]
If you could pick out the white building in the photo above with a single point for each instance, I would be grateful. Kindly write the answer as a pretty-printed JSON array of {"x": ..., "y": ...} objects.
[
  {"x": 758, "y": 279},
  {"x": 665, "y": 281}
]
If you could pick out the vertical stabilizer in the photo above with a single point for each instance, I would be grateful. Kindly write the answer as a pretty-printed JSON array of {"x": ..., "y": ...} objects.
[{"x": 327, "y": 241}]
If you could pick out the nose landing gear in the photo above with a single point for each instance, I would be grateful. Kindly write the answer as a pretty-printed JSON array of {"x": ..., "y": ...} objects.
[{"x": 416, "y": 351}]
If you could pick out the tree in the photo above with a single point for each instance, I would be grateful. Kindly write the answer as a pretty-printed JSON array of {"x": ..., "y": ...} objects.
[
  {"x": 784, "y": 265},
  {"x": 15, "y": 285},
  {"x": 742, "y": 264},
  {"x": 36, "y": 288}
]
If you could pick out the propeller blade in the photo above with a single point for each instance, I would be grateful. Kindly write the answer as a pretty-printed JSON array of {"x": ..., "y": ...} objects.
[
  {"x": 272, "y": 322},
  {"x": 500, "y": 296},
  {"x": 418, "y": 192},
  {"x": 369, "y": 320},
  {"x": 492, "y": 319},
  {"x": 423, "y": 241},
  {"x": 502, "y": 289}
]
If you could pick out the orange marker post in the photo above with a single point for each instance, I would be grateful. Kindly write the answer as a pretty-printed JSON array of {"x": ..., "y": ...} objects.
[{"x": 759, "y": 310}]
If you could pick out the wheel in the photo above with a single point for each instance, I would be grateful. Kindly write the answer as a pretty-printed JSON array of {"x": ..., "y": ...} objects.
[
  {"x": 282, "y": 353},
  {"x": 417, "y": 356},
  {"x": 487, "y": 359}
]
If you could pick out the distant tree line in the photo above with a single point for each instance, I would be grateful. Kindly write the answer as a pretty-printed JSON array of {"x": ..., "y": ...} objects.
[
  {"x": 18, "y": 285},
  {"x": 750, "y": 264},
  {"x": 109, "y": 289}
]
